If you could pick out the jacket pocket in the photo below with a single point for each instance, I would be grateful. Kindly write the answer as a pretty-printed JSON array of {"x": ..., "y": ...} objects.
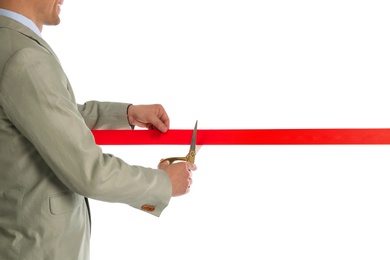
[{"x": 64, "y": 202}]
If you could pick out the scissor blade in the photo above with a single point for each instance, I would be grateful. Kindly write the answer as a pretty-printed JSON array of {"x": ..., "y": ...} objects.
[{"x": 193, "y": 139}]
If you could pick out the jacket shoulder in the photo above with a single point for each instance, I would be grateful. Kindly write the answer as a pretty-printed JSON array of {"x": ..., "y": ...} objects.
[{"x": 13, "y": 42}]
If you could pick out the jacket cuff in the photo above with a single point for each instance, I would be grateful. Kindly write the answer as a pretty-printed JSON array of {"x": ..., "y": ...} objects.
[{"x": 127, "y": 115}]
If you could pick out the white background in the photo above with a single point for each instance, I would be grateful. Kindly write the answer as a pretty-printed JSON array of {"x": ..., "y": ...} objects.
[{"x": 243, "y": 64}]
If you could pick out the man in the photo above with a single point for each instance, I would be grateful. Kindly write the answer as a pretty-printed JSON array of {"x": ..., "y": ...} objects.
[{"x": 49, "y": 162}]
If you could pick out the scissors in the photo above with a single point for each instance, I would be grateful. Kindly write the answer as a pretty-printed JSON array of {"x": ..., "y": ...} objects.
[{"x": 191, "y": 154}]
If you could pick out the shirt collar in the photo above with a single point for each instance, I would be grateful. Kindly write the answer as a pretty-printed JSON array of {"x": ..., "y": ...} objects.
[{"x": 21, "y": 19}]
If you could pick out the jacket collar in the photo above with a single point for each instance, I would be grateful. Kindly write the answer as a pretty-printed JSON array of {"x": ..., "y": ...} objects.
[{"x": 12, "y": 24}]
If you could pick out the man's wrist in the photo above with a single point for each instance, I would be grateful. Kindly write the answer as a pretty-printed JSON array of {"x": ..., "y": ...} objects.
[{"x": 127, "y": 113}]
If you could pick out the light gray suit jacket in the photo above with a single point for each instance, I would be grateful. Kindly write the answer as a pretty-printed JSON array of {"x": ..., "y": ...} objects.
[{"x": 49, "y": 161}]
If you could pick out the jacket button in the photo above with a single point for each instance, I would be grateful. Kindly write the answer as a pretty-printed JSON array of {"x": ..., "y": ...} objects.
[{"x": 149, "y": 208}]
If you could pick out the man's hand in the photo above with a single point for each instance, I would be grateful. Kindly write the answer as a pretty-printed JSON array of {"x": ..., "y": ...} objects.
[
  {"x": 148, "y": 116},
  {"x": 180, "y": 174}
]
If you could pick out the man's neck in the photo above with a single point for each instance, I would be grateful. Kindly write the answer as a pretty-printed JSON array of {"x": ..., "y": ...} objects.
[
  {"x": 22, "y": 8},
  {"x": 21, "y": 19}
]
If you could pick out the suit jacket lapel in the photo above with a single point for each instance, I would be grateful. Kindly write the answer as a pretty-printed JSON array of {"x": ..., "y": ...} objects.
[{"x": 15, "y": 25}]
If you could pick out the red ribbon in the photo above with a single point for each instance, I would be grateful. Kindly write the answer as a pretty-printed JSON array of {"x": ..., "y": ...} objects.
[{"x": 367, "y": 136}]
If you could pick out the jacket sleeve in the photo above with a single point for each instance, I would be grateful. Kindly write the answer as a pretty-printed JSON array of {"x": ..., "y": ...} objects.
[
  {"x": 37, "y": 99},
  {"x": 105, "y": 115}
]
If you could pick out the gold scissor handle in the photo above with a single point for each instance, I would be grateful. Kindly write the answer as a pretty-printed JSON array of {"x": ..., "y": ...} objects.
[
  {"x": 189, "y": 158},
  {"x": 174, "y": 159}
]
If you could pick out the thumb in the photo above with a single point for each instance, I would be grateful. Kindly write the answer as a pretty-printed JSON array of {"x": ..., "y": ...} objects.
[
  {"x": 163, "y": 163},
  {"x": 160, "y": 126}
]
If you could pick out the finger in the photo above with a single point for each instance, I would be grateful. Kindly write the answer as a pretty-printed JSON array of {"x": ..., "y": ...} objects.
[
  {"x": 159, "y": 125},
  {"x": 191, "y": 167},
  {"x": 189, "y": 177},
  {"x": 165, "y": 119},
  {"x": 163, "y": 163},
  {"x": 189, "y": 185},
  {"x": 161, "y": 121}
]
